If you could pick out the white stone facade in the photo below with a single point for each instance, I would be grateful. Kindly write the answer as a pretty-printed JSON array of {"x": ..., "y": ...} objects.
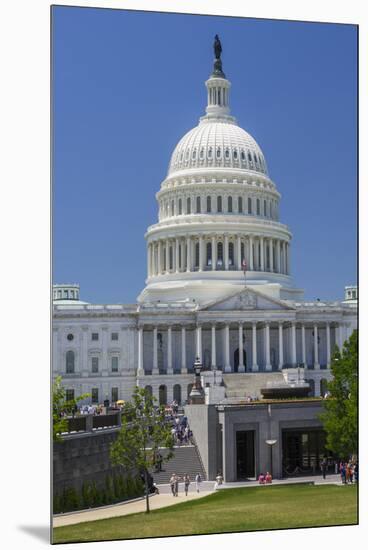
[{"x": 218, "y": 285}]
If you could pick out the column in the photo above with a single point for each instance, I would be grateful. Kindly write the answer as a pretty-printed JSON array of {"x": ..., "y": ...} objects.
[
  {"x": 213, "y": 347},
  {"x": 176, "y": 255},
  {"x": 213, "y": 253},
  {"x": 140, "y": 371},
  {"x": 261, "y": 263},
  {"x": 200, "y": 267},
  {"x": 251, "y": 266},
  {"x": 148, "y": 260},
  {"x": 199, "y": 342},
  {"x": 239, "y": 258},
  {"x": 304, "y": 357},
  {"x": 293, "y": 344},
  {"x": 184, "y": 368},
  {"x": 226, "y": 252},
  {"x": 271, "y": 255},
  {"x": 281, "y": 347},
  {"x": 155, "y": 362},
  {"x": 316, "y": 362},
  {"x": 341, "y": 336},
  {"x": 328, "y": 345},
  {"x": 278, "y": 256},
  {"x": 169, "y": 350},
  {"x": 267, "y": 344},
  {"x": 188, "y": 255},
  {"x": 254, "y": 347},
  {"x": 227, "y": 348},
  {"x": 159, "y": 259},
  {"x": 167, "y": 266},
  {"x": 288, "y": 259},
  {"x": 241, "y": 367}
]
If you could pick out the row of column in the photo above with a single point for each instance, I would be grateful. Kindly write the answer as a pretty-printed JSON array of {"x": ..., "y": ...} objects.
[
  {"x": 204, "y": 253},
  {"x": 241, "y": 367}
]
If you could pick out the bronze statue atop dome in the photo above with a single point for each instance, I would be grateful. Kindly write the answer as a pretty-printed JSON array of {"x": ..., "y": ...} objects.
[
  {"x": 217, "y": 64},
  {"x": 217, "y": 47}
]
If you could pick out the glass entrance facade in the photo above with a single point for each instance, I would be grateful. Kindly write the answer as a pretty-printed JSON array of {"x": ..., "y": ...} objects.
[
  {"x": 303, "y": 451},
  {"x": 245, "y": 463}
]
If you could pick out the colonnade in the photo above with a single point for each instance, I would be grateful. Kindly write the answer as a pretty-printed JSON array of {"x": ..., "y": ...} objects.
[
  {"x": 217, "y": 252},
  {"x": 241, "y": 326}
]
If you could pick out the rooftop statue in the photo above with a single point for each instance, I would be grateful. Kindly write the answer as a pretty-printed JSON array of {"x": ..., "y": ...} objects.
[
  {"x": 217, "y": 47},
  {"x": 217, "y": 65}
]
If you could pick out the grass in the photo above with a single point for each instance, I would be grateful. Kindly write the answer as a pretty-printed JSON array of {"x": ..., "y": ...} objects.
[{"x": 229, "y": 510}]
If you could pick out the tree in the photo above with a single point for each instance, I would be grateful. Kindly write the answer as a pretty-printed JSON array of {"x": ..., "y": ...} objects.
[
  {"x": 61, "y": 407},
  {"x": 340, "y": 417},
  {"x": 143, "y": 431}
]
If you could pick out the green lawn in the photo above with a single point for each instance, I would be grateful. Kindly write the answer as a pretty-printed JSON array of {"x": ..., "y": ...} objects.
[{"x": 229, "y": 510}]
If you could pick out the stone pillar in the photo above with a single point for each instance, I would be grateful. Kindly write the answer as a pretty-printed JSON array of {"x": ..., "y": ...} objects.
[
  {"x": 254, "y": 347},
  {"x": 184, "y": 368},
  {"x": 267, "y": 344},
  {"x": 188, "y": 254},
  {"x": 239, "y": 258},
  {"x": 213, "y": 253},
  {"x": 155, "y": 362},
  {"x": 159, "y": 259},
  {"x": 167, "y": 266},
  {"x": 293, "y": 344},
  {"x": 328, "y": 345},
  {"x": 261, "y": 263},
  {"x": 281, "y": 347},
  {"x": 140, "y": 371},
  {"x": 200, "y": 267},
  {"x": 304, "y": 357},
  {"x": 169, "y": 350},
  {"x": 199, "y": 342},
  {"x": 288, "y": 258},
  {"x": 241, "y": 367},
  {"x": 251, "y": 265},
  {"x": 176, "y": 255},
  {"x": 148, "y": 260},
  {"x": 226, "y": 252},
  {"x": 271, "y": 255},
  {"x": 227, "y": 348},
  {"x": 213, "y": 347},
  {"x": 316, "y": 361},
  {"x": 278, "y": 256}
]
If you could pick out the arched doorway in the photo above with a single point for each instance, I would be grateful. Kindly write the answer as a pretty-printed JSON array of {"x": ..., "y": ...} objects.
[
  {"x": 323, "y": 387},
  {"x": 162, "y": 395},
  {"x": 177, "y": 393},
  {"x": 236, "y": 359},
  {"x": 148, "y": 389}
]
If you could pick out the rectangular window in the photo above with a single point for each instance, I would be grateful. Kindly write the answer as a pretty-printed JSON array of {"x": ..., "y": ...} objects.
[
  {"x": 69, "y": 395},
  {"x": 94, "y": 336},
  {"x": 94, "y": 393},
  {"x": 114, "y": 336},
  {"x": 114, "y": 364},
  {"x": 114, "y": 394},
  {"x": 94, "y": 364}
]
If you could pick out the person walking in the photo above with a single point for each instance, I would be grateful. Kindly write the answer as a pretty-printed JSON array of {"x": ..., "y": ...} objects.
[
  {"x": 219, "y": 480},
  {"x": 172, "y": 484},
  {"x": 198, "y": 481},
  {"x": 186, "y": 484},
  {"x": 324, "y": 467},
  {"x": 177, "y": 485},
  {"x": 343, "y": 472}
]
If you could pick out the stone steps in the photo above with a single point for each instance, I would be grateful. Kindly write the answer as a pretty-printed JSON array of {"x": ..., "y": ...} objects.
[
  {"x": 241, "y": 385},
  {"x": 185, "y": 461}
]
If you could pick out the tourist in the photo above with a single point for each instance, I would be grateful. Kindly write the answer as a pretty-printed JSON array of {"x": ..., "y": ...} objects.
[
  {"x": 155, "y": 488},
  {"x": 356, "y": 473},
  {"x": 343, "y": 472},
  {"x": 198, "y": 481},
  {"x": 261, "y": 479},
  {"x": 177, "y": 485},
  {"x": 172, "y": 484},
  {"x": 186, "y": 484},
  {"x": 268, "y": 478},
  {"x": 219, "y": 480},
  {"x": 324, "y": 467}
]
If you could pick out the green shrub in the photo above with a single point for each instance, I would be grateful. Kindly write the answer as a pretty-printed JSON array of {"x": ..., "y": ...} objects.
[
  {"x": 71, "y": 500},
  {"x": 87, "y": 497}
]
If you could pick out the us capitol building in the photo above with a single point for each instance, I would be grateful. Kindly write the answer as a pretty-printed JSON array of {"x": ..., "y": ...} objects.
[{"x": 219, "y": 286}]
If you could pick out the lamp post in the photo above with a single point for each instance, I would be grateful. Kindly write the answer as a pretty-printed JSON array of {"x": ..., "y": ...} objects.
[
  {"x": 271, "y": 443},
  {"x": 197, "y": 394}
]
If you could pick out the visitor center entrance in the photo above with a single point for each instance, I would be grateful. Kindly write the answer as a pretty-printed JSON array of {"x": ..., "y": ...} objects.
[
  {"x": 245, "y": 463},
  {"x": 303, "y": 451}
]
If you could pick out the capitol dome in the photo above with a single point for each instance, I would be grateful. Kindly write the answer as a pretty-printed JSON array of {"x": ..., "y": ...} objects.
[{"x": 217, "y": 144}]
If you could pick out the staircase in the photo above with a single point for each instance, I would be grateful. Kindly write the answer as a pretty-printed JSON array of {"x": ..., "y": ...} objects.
[
  {"x": 241, "y": 385},
  {"x": 186, "y": 460}
]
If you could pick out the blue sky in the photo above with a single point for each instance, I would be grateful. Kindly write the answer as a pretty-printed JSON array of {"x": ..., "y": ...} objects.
[{"x": 128, "y": 85}]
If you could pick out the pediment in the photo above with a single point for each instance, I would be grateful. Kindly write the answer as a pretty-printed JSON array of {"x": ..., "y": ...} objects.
[{"x": 246, "y": 299}]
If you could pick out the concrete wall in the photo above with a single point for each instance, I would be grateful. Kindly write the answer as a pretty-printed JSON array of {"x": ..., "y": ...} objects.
[{"x": 204, "y": 424}]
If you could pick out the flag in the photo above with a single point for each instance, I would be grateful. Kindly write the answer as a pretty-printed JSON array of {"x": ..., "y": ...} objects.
[{"x": 244, "y": 266}]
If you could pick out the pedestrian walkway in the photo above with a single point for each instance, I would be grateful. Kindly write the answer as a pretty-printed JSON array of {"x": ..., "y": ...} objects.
[{"x": 156, "y": 501}]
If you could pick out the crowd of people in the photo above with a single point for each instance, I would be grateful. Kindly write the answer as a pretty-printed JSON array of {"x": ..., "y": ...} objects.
[
  {"x": 349, "y": 472},
  {"x": 263, "y": 479},
  {"x": 174, "y": 483},
  {"x": 180, "y": 430}
]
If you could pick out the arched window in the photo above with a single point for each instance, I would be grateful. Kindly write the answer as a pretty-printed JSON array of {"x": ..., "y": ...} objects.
[
  {"x": 240, "y": 205},
  {"x": 180, "y": 207},
  {"x": 209, "y": 153},
  {"x": 242, "y": 155},
  {"x": 249, "y": 205},
  {"x": 148, "y": 389},
  {"x": 70, "y": 362},
  {"x": 235, "y": 154},
  {"x": 198, "y": 205},
  {"x": 258, "y": 207},
  {"x": 171, "y": 257},
  {"x": 265, "y": 208},
  {"x": 194, "y": 154},
  {"x": 188, "y": 205},
  {"x": 219, "y": 204},
  {"x": 218, "y": 152},
  {"x": 249, "y": 157},
  {"x": 227, "y": 153},
  {"x": 177, "y": 393},
  {"x": 231, "y": 254},
  {"x": 172, "y": 207},
  {"x": 201, "y": 153},
  {"x": 208, "y": 254},
  {"x": 162, "y": 395},
  {"x": 196, "y": 259},
  {"x": 208, "y": 204},
  {"x": 229, "y": 204},
  {"x": 220, "y": 255}
]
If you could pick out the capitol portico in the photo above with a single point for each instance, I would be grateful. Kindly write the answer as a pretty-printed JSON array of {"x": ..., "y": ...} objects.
[{"x": 219, "y": 284}]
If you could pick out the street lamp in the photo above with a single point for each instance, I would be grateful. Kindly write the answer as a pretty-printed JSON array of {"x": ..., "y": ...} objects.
[
  {"x": 271, "y": 443},
  {"x": 197, "y": 393}
]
